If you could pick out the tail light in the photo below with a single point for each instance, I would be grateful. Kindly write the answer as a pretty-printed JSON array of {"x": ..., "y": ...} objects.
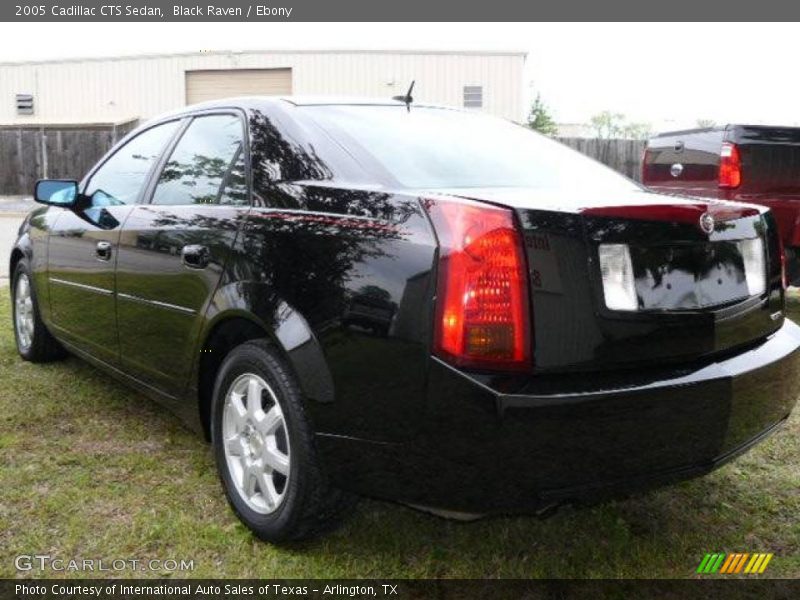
[
  {"x": 730, "y": 166},
  {"x": 482, "y": 310},
  {"x": 645, "y": 176}
]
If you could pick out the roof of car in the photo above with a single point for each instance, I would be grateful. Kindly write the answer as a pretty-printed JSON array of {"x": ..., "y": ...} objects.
[
  {"x": 259, "y": 102},
  {"x": 339, "y": 100},
  {"x": 256, "y": 101},
  {"x": 353, "y": 101}
]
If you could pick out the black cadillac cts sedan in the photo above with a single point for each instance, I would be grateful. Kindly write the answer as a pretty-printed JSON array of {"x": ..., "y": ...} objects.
[{"x": 409, "y": 302}]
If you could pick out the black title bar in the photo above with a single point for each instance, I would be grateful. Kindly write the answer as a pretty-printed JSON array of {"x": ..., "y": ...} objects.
[
  {"x": 407, "y": 10},
  {"x": 388, "y": 589}
]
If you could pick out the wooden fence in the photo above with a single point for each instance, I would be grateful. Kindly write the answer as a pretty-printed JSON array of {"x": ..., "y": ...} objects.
[
  {"x": 31, "y": 152},
  {"x": 624, "y": 156}
]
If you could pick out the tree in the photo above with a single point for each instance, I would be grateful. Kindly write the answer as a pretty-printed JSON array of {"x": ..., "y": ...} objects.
[
  {"x": 705, "y": 123},
  {"x": 539, "y": 118},
  {"x": 636, "y": 131},
  {"x": 609, "y": 125}
]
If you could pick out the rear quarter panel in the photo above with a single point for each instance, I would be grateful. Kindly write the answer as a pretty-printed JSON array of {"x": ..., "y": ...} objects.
[{"x": 343, "y": 281}]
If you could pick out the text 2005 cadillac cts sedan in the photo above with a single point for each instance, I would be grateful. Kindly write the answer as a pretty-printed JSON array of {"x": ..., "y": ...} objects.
[{"x": 410, "y": 302}]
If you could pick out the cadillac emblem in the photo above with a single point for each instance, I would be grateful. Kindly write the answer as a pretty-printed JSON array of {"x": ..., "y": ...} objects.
[{"x": 707, "y": 223}]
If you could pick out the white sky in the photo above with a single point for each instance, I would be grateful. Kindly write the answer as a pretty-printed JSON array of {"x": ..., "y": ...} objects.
[{"x": 666, "y": 74}]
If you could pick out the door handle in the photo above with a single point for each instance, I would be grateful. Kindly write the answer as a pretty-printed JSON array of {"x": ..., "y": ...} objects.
[
  {"x": 103, "y": 250},
  {"x": 195, "y": 256}
]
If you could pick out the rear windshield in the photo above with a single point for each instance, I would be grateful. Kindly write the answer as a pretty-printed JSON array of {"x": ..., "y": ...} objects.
[{"x": 442, "y": 148}]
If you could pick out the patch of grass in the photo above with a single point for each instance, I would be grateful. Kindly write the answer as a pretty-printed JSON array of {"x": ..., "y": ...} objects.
[{"x": 91, "y": 469}]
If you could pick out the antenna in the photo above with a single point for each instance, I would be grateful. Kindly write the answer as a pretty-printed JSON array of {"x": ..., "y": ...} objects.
[{"x": 407, "y": 98}]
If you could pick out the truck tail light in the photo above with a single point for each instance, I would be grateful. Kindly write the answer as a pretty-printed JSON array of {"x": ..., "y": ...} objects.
[
  {"x": 482, "y": 310},
  {"x": 645, "y": 175},
  {"x": 730, "y": 166}
]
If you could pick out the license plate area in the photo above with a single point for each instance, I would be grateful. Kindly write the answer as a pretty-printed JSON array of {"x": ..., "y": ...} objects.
[{"x": 699, "y": 274}]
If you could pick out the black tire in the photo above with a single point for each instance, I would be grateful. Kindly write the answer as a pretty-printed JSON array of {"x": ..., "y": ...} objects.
[
  {"x": 309, "y": 505},
  {"x": 43, "y": 347}
]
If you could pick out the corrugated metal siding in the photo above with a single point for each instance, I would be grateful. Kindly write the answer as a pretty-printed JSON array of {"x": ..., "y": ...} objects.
[{"x": 109, "y": 89}]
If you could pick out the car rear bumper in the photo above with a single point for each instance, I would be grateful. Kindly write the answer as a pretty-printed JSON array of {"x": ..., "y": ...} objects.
[{"x": 574, "y": 438}]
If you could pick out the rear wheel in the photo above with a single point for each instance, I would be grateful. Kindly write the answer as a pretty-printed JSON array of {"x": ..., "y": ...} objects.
[
  {"x": 264, "y": 449},
  {"x": 257, "y": 454},
  {"x": 34, "y": 341}
]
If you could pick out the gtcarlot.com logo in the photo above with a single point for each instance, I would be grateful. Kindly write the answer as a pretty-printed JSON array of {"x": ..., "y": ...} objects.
[
  {"x": 45, "y": 562},
  {"x": 737, "y": 562}
]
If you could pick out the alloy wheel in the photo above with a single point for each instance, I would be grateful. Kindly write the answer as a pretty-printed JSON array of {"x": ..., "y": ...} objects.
[
  {"x": 256, "y": 443},
  {"x": 23, "y": 312}
]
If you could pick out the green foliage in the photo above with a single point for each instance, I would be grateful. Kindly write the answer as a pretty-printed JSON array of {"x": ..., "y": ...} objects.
[
  {"x": 636, "y": 131},
  {"x": 608, "y": 125},
  {"x": 539, "y": 118}
]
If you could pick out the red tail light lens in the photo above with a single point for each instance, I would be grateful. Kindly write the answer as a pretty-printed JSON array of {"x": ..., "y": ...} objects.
[
  {"x": 482, "y": 294},
  {"x": 645, "y": 174},
  {"x": 730, "y": 166}
]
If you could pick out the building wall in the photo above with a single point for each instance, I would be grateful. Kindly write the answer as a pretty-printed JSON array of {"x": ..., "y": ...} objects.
[{"x": 112, "y": 89}]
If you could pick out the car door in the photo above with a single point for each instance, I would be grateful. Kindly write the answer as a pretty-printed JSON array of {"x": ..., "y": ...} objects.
[
  {"x": 83, "y": 244},
  {"x": 173, "y": 249}
]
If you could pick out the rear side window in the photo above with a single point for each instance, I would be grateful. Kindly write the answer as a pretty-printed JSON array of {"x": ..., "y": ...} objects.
[
  {"x": 207, "y": 165},
  {"x": 121, "y": 178}
]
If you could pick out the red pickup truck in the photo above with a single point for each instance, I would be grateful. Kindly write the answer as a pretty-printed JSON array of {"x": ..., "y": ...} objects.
[{"x": 749, "y": 163}]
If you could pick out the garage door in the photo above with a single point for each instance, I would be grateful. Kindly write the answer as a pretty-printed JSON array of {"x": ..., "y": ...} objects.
[{"x": 213, "y": 85}]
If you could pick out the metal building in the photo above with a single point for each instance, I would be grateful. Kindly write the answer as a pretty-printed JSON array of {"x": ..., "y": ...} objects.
[{"x": 110, "y": 90}]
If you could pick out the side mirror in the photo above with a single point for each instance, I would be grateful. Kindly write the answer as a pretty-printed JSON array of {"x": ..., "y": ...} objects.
[{"x": 56, "y": 192}]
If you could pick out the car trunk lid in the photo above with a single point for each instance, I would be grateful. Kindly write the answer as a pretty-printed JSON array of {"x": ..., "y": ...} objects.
[{"x": 694, "y": 293}]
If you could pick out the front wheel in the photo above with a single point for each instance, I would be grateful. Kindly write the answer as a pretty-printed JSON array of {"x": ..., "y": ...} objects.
[
  {"x": 264, "y": 449},
  {"x": 34, "y": 341}
]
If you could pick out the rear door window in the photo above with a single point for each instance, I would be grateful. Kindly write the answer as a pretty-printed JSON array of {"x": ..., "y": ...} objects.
[{"x": 207, "y": 165}]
